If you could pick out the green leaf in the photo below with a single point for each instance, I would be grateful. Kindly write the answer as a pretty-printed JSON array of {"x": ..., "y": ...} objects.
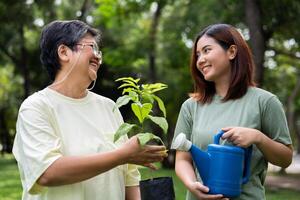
[
  {"x": 146, "y": 137},
  {"x": 161, "y": 122},
  {"x": 134, "y": 96},
  {"x": 152, "y": 88},
  {"x": 127, "y": 90},
  {"x": 128, "y": 80},
  {"x": 124, "y": 129},
  {"x": 147, "y": 98},
  {"x": 121, "y": 101},
  {"x": 161, "y": 104},
  {"x": 126, "y": 85},
  {"x": 141, "y": 111}
]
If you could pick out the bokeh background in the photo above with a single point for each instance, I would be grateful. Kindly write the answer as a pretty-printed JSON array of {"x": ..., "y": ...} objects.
[{"x": 150, "y": 40}]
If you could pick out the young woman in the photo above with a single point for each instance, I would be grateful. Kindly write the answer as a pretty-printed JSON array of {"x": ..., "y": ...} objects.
[
  {"x": 64, "y": 142},
  {"x": 225, "y": 97}
]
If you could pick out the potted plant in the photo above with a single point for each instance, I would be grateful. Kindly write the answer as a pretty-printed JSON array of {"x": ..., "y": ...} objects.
[{"x": 142, "y": 100}]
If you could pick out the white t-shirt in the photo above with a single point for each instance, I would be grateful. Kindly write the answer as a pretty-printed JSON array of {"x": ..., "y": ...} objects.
[{"x": 51, "y": 125}]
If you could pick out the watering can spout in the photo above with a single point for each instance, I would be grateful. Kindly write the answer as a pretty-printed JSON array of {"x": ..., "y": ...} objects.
[
  {"x": 200, "y": 157},
  {"x": 181, "y": 143}
]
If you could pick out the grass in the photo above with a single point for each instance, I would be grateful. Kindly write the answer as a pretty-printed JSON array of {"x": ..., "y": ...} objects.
[
  {"x": 11, "y": 189},
  {"x": 10, "y": 185}
]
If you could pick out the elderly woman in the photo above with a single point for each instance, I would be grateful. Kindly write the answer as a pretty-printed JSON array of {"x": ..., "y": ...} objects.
[{"x": 64, "y": 142}]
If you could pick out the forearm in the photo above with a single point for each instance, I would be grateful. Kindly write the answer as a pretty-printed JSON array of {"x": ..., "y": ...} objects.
[
  {"x": 132, "y": 193},
  {"x": 184, "y": 168},
  {"x": 72, "y": 169},
  {"x": 275, "y": 152}
]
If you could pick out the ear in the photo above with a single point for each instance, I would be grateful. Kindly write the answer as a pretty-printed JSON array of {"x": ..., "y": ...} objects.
[
  {"x": 63, "y": 53},
  {"x": 231, "y": 52}
]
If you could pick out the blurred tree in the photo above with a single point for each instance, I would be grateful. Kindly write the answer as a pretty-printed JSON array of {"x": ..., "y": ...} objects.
[{"x": 10, "y": 87}]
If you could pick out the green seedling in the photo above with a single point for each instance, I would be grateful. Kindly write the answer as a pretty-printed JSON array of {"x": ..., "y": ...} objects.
[{"x": 142, "y": 100}]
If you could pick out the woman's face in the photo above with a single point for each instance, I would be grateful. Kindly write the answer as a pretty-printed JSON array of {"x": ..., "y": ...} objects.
[
  {"x": 212, "y": 60},
  {"x": 89, "y": 60}
]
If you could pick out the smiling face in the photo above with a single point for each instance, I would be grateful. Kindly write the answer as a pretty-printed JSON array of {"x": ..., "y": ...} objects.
[
  {"x": 212, "y": 60},
  {"x": 89, "y": 58}
]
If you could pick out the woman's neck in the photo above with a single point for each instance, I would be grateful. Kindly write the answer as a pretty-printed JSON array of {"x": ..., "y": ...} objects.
[
  {"x": 70, "y": 90},
  {"x": 222, "y": 88}
]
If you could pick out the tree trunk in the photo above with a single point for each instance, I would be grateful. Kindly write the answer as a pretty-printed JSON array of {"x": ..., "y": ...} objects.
[
  {"x": 292, "y": 122},
  {"x": 22, "y": 64},
  {"x": 257, "y": 39},
  {"x": 84, "y": 10},
  {"x": 5, "y": 138},
  {"x": 152, "y": 41}
]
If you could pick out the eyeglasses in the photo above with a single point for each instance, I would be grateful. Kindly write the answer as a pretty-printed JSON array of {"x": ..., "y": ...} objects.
[{"x": 95, "y": 48}]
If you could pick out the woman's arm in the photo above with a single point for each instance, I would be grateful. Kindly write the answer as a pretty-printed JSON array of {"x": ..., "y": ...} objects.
[
  {"x": 133, "y": 193},
  {"x": 72, "y": 169},
  {"x": 185, "y": 171},
  {"x": 274, "y": 152}
]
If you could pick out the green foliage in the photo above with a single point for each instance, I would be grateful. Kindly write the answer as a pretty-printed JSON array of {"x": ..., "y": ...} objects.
[{"x": 142, "y": 100}]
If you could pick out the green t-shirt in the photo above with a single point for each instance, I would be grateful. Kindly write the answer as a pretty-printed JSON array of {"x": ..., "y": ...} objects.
[{"x": 257, "y": 109}]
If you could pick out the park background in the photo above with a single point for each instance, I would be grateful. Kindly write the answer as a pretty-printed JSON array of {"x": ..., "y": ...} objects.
[{"x": 150, "y": 40}]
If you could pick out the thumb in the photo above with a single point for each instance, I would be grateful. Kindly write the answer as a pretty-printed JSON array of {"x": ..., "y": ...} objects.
[{"x": 201, "y": 187}]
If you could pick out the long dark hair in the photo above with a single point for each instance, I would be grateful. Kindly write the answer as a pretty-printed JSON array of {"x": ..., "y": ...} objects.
[{"x": 242, "y": 66}]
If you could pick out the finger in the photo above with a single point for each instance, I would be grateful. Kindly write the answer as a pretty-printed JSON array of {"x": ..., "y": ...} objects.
[
  {"x": 153, "y": 148},
  {"x": 228, "y": 128},
  {"x": 213, "y": 196},
  {"x": 227, "y": 134},
  {"x": 151, "y": 166}
]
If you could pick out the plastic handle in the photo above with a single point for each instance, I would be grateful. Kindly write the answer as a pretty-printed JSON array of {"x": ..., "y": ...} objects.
[
  {"x": 218, "y": 136},
  {"x": 247, "y": 162}
]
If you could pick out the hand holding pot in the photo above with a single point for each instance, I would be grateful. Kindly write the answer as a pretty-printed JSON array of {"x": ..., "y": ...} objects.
[{"x": 135, "y": 154}]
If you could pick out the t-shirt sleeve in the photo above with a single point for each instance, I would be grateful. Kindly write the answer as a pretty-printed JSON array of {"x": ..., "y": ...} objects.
[
  {"x": 274, "y": 123},
  {"x": 184, "y": 122},
  {"x": 36, "y": 147},
  {"x": 133, "y": 175}
]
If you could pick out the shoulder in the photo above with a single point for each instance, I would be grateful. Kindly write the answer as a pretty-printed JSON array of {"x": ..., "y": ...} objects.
[
  {"x": 263, "y": 97},
  {"x": 102, "y": 99},
  {"x": 260, "y": 94},
  {"x": 37, "y": 100},
  {"x": 189, "y": 106},
  {"x": 189, "y": 103}
]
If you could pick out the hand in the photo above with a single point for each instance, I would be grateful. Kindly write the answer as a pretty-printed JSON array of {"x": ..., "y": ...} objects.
[
  {"x": 200, "y": 191},
  {"x": 143, "y": 155},
  {"x": 242, "y": 137}
]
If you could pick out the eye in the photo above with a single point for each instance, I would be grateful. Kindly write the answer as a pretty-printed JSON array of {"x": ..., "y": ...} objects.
[{"x": 206, "y": 50}]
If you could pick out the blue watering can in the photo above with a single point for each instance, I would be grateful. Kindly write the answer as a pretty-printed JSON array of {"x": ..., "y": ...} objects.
[{"x": 223, "y": 169}]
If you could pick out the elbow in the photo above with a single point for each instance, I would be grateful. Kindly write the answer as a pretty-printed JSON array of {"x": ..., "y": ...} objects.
[
  {"x": 286, "y": 164},
  {"x": 45, "y": 180},
  {"x": 288, "y": 158}
]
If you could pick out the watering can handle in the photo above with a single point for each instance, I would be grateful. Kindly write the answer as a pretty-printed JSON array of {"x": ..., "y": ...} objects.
[
  {"x": 218, "y": 136},
  {"x": 247, "y": 161},
  {"x": 248, "y": 155}
]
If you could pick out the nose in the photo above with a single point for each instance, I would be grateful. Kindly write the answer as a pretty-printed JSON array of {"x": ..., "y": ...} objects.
[
  {"x": 98, "y": 56},
  {"x": 200, "y": 60}
]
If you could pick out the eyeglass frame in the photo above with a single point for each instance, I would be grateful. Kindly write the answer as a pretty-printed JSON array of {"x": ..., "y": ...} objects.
[{"x": 95, "y": 48}]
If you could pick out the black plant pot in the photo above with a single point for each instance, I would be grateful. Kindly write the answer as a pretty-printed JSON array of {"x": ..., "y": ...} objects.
[{"x": 157, "y": 189}]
